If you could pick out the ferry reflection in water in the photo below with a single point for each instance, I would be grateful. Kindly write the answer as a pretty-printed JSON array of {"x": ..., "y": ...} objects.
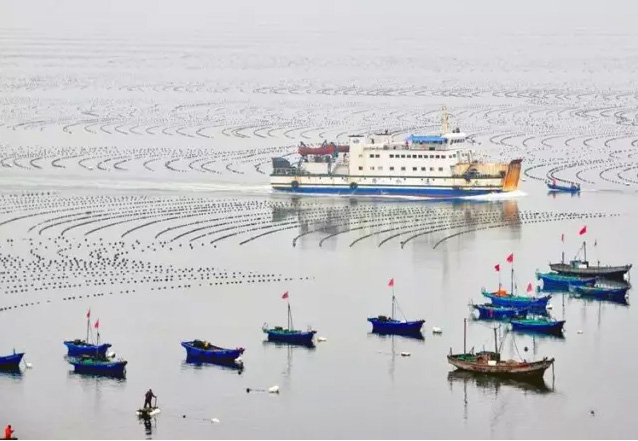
[{"x": 401, "y": 222}]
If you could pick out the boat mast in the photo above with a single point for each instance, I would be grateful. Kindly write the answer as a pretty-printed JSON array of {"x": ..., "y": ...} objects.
[
  {"x": 88, "y": 325},
  {"x": 393, "y": 302},
  {"x": 585, "y": 249},
  {"x": 512, "y": 279},
  {"x": 289, "y": 317},
  {"x": 464, "y": 335},
  {"x": 495, "y": 341}
]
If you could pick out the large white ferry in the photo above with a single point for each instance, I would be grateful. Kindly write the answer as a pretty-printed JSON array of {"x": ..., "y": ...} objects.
[{"x": 428, "y": 166}]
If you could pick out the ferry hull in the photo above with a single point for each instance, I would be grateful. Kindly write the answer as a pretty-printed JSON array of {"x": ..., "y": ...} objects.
[{"x": 373, "y": 190}]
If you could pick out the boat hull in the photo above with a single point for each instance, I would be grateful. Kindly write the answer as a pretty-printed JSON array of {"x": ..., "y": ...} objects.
[
  {"x": 76, "y": 350},
  {"x": 539, "y": 303},
  {"x": 543, "y": 327},
  {"x": 531, "y": 370},
  {"x": 613, "y": 294},
  {"x": 216, "y": 354},
  {"x": 607, "y": 272},
  {"x": 11, "y": 362},
  {"x": 563, "y": 188},
  {"x": 562, "y": 281},
  {"x": 99, "y": 367},
  {"x": 291, "y": 337},
  {"x": 396, "y": 327},
  {"x": 491, "y": 312}
]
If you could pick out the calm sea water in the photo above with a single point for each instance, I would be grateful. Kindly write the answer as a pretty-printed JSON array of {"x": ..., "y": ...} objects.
[{"x": 135, "y": 142}]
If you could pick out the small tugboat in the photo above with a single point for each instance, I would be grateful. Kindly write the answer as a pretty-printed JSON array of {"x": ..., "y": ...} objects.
[
  {"x": 603, "y": 291},
  {"x": 490, "y": 363},
  {"x": 289, "y": 335},
  {"x": 80, "y": 347},
  {"x": 582, "y": 268},
  {"x": 488, "y": 311},
  {"x": 540, "y": 325},
  {"x": 557, "y": 281},
  {"x": 11, "y": 362},
  {"x": 198, "y": 351},
  {"x": 570, "y": 188},
  {"x": 390, "y": 325}
]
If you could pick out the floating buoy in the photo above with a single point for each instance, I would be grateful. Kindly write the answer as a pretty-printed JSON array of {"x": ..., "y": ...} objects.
[
  {"x": 273, "y": 390},
  {"x": 321, "y": 338},
  {"x": 549, "y": 306},
  {"x": 28, "y": 365},
  {"x": 580, "y": 332},
  {"x": 405, "y": 354},
  {"x": 437, "y": 330},
  {"x": 214, "y": 420}
]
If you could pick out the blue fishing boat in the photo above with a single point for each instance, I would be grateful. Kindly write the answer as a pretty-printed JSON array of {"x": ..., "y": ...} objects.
[
  {"x": 11, "y": 362},
  {"x": 562, "y": 281},
  {"x": 289, "y": 335},
  {"x": 79, "y": 347},
  {"x": 390, "y": 325},
  {"x": 203, "y": 351},
  {"x": 502, "y": 298},
  {"x": 99, "y": 366},
  {"x": 603, "y": 291},
  {"x": 570, "y": 188},
  {"x": 489, "y": 311},
  {"x": 541, "y": 325}
]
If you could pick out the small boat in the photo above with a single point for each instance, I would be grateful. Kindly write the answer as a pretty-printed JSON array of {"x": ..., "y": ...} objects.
[
  {"x": 490, "y": 363},
  {"x": 147, "y": 412},
  {"x": 502, "y": 298},
  {"x": 562, "y": 281},
  {"x": 582, "y": 268},
  {"x": 488, "y": 311},
  {"x": 390, "y": 325},
  {"x": 11, "y": 362},
  {"x": 541, "y": 325},
  {"x": 571, "y": 188},
  {"x": 81, "y": 347},
  {"x": 289, "y": 335},
  {"x": 203, "y": 351},
  {"x": 603, "y": 291},
  {"x": 99, "y": 366}
]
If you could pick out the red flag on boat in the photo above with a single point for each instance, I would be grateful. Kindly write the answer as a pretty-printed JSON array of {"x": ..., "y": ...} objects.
[
  {"x": 497, "y": 267},
  {"x": 285, "y": 296},
  {"x": 583, "y": 230},
  {"x": 88, "y": 313},
  {"x": 510, "y": 258},
  {"x": 529, "y": 287},
  {"x": 391, "y": 282},
  {"x": 562, "y": 237},
  {"x": 97, "y": 324}
]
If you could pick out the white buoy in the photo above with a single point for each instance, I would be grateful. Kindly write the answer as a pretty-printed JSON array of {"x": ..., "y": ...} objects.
[
  {"x": 239, "y": 360},
  {"x": 273, "y": 390},
  {"x": 321, "y": 338},
  {"x": 580, "y": 331},
  {"x": 214, "y": 420},
  {"x": 437, "y": 330},
  {"x": 405, "y": 354},
  {"x": 28, "y": 365},
  {"x": 111, "y": 355},
  {"x": 549, "y": 306}
]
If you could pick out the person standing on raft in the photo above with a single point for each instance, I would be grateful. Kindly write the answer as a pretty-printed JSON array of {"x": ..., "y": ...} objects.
[
  {"x": 149, "y": 396},
  {"x": 8, "y": 432}
]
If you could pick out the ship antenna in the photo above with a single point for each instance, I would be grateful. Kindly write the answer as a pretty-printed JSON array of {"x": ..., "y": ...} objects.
[{"x": 444, "y": 121}]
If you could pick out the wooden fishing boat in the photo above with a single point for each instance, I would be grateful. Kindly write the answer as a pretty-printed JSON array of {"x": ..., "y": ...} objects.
[
  {"x": 571, "y": 188},
  {"x": 289, "y": 335},
  {"x": 81, "y": 347},
  {"x": 603, "y": 291},
  {"x": 98, "y": 366},
  {"x": 390, "y": 325},
  {"x": 562, "y": 281},
  {"x": 541, "y": 325},
  {"x": 582, "y": 268},
  {"x": 203, "y": 351},
  {"x": 489, "y": 311},
  {"x": 502, "y": 298},
  {"x": 11, "y": 362},
  {"x": 490, "y": 363}
]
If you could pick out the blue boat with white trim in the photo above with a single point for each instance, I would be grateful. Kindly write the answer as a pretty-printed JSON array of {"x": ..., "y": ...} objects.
[
  {"x": 289, "y": 335},
  {"x": 98, "y": 366},
  {"x": 502, "y": 298},
  {"x": 570, "y": 188},
  {"x": 429, "y": 166}
]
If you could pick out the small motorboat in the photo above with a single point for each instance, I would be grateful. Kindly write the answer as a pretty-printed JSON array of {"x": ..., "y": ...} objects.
[
  {"x": 203, "y": 351},
  {"x": 502, "y": 298},
  {"x": 289, "y": 335},
  {"x": 11, "y": 362},
  {"x": 488, "y": 311},
  {"x": 568, "y": 188},
  {"x": 541, "y": 325},
  {"x": 81, "y": 347},
  {"x": 99, "y": 366},
  {"x": 390, "y": 325}
]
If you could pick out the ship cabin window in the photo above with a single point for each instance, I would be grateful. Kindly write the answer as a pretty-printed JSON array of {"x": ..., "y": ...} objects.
[
  {"x": 422, "y": 168},
  {"x": 391, "y": 156},
  {"x": 402, "y": 168},
  {"x": 391, "y": 168},
  {"x": 438, "y": 156},
  {"x": 377, "y": 156},
  {"x": 371, "y": 155},
  {"x": 403, "y": 156},
  {"x": 443, "y": 156},
  {"x": 431, "y": 168},
  {"x": 414, "y": 169},
  {"x": 379, "y": 168},
  {"x": 360, "y": 168},
  {"x": 431, "y": 148},
  {"x": 372, "y": 168},
  {"x": 440, "y": 168},
  {"x": 420, "y": 156},
  {"x": 360, "y": 156},
  {"x": 454, "y": 155}
]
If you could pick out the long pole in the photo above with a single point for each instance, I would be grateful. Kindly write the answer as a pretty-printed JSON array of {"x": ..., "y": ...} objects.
[
  {"x": 512, "y": 278},
  {"x": 393, "y": 306},
  {"x": 88, "y": 327},
  {"x": 289, "y": 317},
  {"x": 464, "y": 335},
  {"x": 495, "y": 341},
  {"x": 585, "y": 249}
]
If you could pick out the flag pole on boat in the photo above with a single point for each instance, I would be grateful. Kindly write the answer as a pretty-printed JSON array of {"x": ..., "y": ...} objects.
[
  {"x": 88, "y": 324},
  {"x": 391, "y": 285},
  {"x": 510, "y": 259},
  {"x": 287, "y": 298}
]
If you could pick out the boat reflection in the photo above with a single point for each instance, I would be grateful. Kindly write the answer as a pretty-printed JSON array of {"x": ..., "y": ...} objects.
[
  {"x": 416, "y": 336},
  {"x": 195, "y": 363},
  {"x": 282, "y": 345},
  {"x": 496, "y": 383}
]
